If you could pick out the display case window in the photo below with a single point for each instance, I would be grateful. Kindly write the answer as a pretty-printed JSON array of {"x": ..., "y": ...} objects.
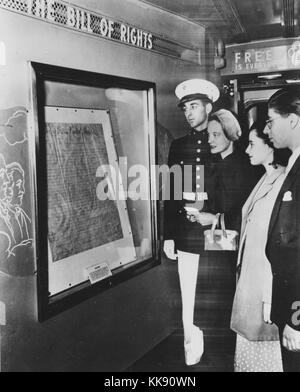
[{"x": 96, "y": 217}]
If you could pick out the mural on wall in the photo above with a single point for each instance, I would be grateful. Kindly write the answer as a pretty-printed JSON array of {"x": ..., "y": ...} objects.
[
  {"x": 11, "y": 131},
  {"x": 16, "y": 253}
]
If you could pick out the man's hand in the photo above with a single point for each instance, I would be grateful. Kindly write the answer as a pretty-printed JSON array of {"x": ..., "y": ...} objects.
[
  {"x": 206, "y": 218},
  {"x": 291, "y": 339},
  {"x": 169, "y": 249},
  {"x": 192, "y": 216}
]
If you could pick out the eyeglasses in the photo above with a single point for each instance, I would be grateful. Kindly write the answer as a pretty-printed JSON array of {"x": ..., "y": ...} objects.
[{"x": 269, "y": 123}]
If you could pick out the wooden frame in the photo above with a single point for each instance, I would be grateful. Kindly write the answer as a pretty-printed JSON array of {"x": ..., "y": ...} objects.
[{"x": 51, "y": 304}]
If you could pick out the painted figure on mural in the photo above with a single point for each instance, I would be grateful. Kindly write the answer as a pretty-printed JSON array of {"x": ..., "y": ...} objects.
[
  {"x": 15, "y": 194},
  {"x": 13, "y": 219},
  {"x": 6, "y": 230},
  {"x": 15, "y": 224}
]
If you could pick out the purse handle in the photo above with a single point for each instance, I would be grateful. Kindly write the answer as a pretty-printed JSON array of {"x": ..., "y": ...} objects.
[
  {"x": 223, "y": 226},
  {"x": 215, "y": 223}
]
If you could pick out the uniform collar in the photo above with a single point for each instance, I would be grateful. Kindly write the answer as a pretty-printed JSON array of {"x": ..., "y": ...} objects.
[{"x": 199, "y": 135}]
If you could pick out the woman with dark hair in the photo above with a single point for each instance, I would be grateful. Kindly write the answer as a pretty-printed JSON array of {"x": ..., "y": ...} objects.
[{"x": 257, "y": 346}]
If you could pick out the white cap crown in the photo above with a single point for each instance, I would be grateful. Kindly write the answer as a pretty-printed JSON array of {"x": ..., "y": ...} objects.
[{"x": 193, "y": 88}]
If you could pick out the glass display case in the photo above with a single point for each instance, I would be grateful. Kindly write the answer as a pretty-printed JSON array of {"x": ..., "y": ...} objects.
[{"x": 94, "y": 148}]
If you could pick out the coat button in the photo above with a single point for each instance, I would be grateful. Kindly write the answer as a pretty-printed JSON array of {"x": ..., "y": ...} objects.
[
  {"x": 198, "y": 150},
  {"x": 199, "y": 141},
  {"x": 198, "y": 159}
]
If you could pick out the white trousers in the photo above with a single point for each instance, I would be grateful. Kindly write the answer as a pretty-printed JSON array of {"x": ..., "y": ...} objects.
[{"x": 188, "y": 264}]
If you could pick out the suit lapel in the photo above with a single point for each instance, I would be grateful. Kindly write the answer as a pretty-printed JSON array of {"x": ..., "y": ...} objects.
[{"x": 290, "y": 178}]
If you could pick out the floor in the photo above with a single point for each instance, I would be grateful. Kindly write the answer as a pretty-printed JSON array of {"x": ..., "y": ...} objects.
[
  {"x": 214, "y": 296},
  {"x": 168, "y": 356}
]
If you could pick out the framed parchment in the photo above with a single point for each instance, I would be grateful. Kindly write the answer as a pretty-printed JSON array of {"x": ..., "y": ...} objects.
[
  {"x": 83, "y": 231},
  {"x": 93, "y": 146}
]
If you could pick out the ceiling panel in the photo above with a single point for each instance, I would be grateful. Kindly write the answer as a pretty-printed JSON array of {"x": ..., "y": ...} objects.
[
  {"x": 240, "y": 20},
  {"x": 203, "y": 10}
]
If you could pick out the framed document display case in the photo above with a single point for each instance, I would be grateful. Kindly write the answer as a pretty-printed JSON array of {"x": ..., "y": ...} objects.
[{"x": 96, "y": 211}]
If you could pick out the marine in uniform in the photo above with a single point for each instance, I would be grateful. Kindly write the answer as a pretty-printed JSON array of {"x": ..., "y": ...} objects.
[{"x": 196, "y": 97}]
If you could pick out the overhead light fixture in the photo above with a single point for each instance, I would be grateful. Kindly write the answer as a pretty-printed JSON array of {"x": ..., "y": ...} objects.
[
  {"x": 292, "y": 81},
  {"x": 269, "y": 76}
]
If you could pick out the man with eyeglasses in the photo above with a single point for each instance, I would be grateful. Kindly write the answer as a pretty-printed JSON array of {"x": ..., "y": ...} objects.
[{"x": 283, "y": 244}]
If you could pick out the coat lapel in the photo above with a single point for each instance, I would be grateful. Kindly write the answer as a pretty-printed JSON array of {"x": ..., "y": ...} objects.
[
  {"x": 264, "y": 188},
  {"x": 290, "y": 178},
  {"x": 249, "y": 202}
]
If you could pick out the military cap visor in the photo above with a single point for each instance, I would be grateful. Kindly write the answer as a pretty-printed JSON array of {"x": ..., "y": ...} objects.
[{"x": 192, "y": 97}]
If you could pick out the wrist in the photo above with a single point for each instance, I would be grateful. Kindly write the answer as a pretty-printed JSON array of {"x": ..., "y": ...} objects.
[{"x": 216, "y": 219}]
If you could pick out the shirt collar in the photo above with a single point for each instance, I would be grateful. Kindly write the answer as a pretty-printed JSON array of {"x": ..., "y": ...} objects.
[{"x": 292, "y": 159}]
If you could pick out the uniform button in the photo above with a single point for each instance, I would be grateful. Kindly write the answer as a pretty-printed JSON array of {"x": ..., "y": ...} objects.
[
  {"x": 198, "y": 159},
  {"x": 181, "y": 162},
  {"x": 198, "y": 150},
  {"x": 199, "y": 142},
  {"x": 198, "y": 186},
  {"x": 198, "y": 168},
  {"x": 198, "y": 177}
]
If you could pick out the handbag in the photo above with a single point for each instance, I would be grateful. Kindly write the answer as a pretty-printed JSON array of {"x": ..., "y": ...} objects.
[{"x": 220, "y": 239}]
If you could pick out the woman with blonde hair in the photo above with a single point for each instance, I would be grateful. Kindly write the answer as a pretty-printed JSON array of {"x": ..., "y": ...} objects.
[{"x": 234, "y": 177}]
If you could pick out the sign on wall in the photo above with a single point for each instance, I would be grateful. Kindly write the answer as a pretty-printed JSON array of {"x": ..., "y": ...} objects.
[
  {"x": 77, "y": 18},
  {"x": 67, "y": 15},
  {"x": 254, "y": 58}
]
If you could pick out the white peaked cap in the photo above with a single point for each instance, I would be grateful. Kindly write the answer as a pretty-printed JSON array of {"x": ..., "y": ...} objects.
[{"x": 196, "y": 89}]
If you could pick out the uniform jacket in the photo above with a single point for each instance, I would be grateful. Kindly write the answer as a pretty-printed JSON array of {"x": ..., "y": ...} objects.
[
  {"x": 192, "y": 149},
  {"x": 283, "y": 251}
]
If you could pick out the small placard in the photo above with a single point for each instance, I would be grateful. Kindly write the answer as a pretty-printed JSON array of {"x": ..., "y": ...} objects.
[
  {"x": 2, "y": 314},
  {"x": 2, "y": 53},
  {"x": 98, "y": 272}
]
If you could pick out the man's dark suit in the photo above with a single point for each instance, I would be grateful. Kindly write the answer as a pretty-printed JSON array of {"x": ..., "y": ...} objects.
[{"x": 283, "y": 252}]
